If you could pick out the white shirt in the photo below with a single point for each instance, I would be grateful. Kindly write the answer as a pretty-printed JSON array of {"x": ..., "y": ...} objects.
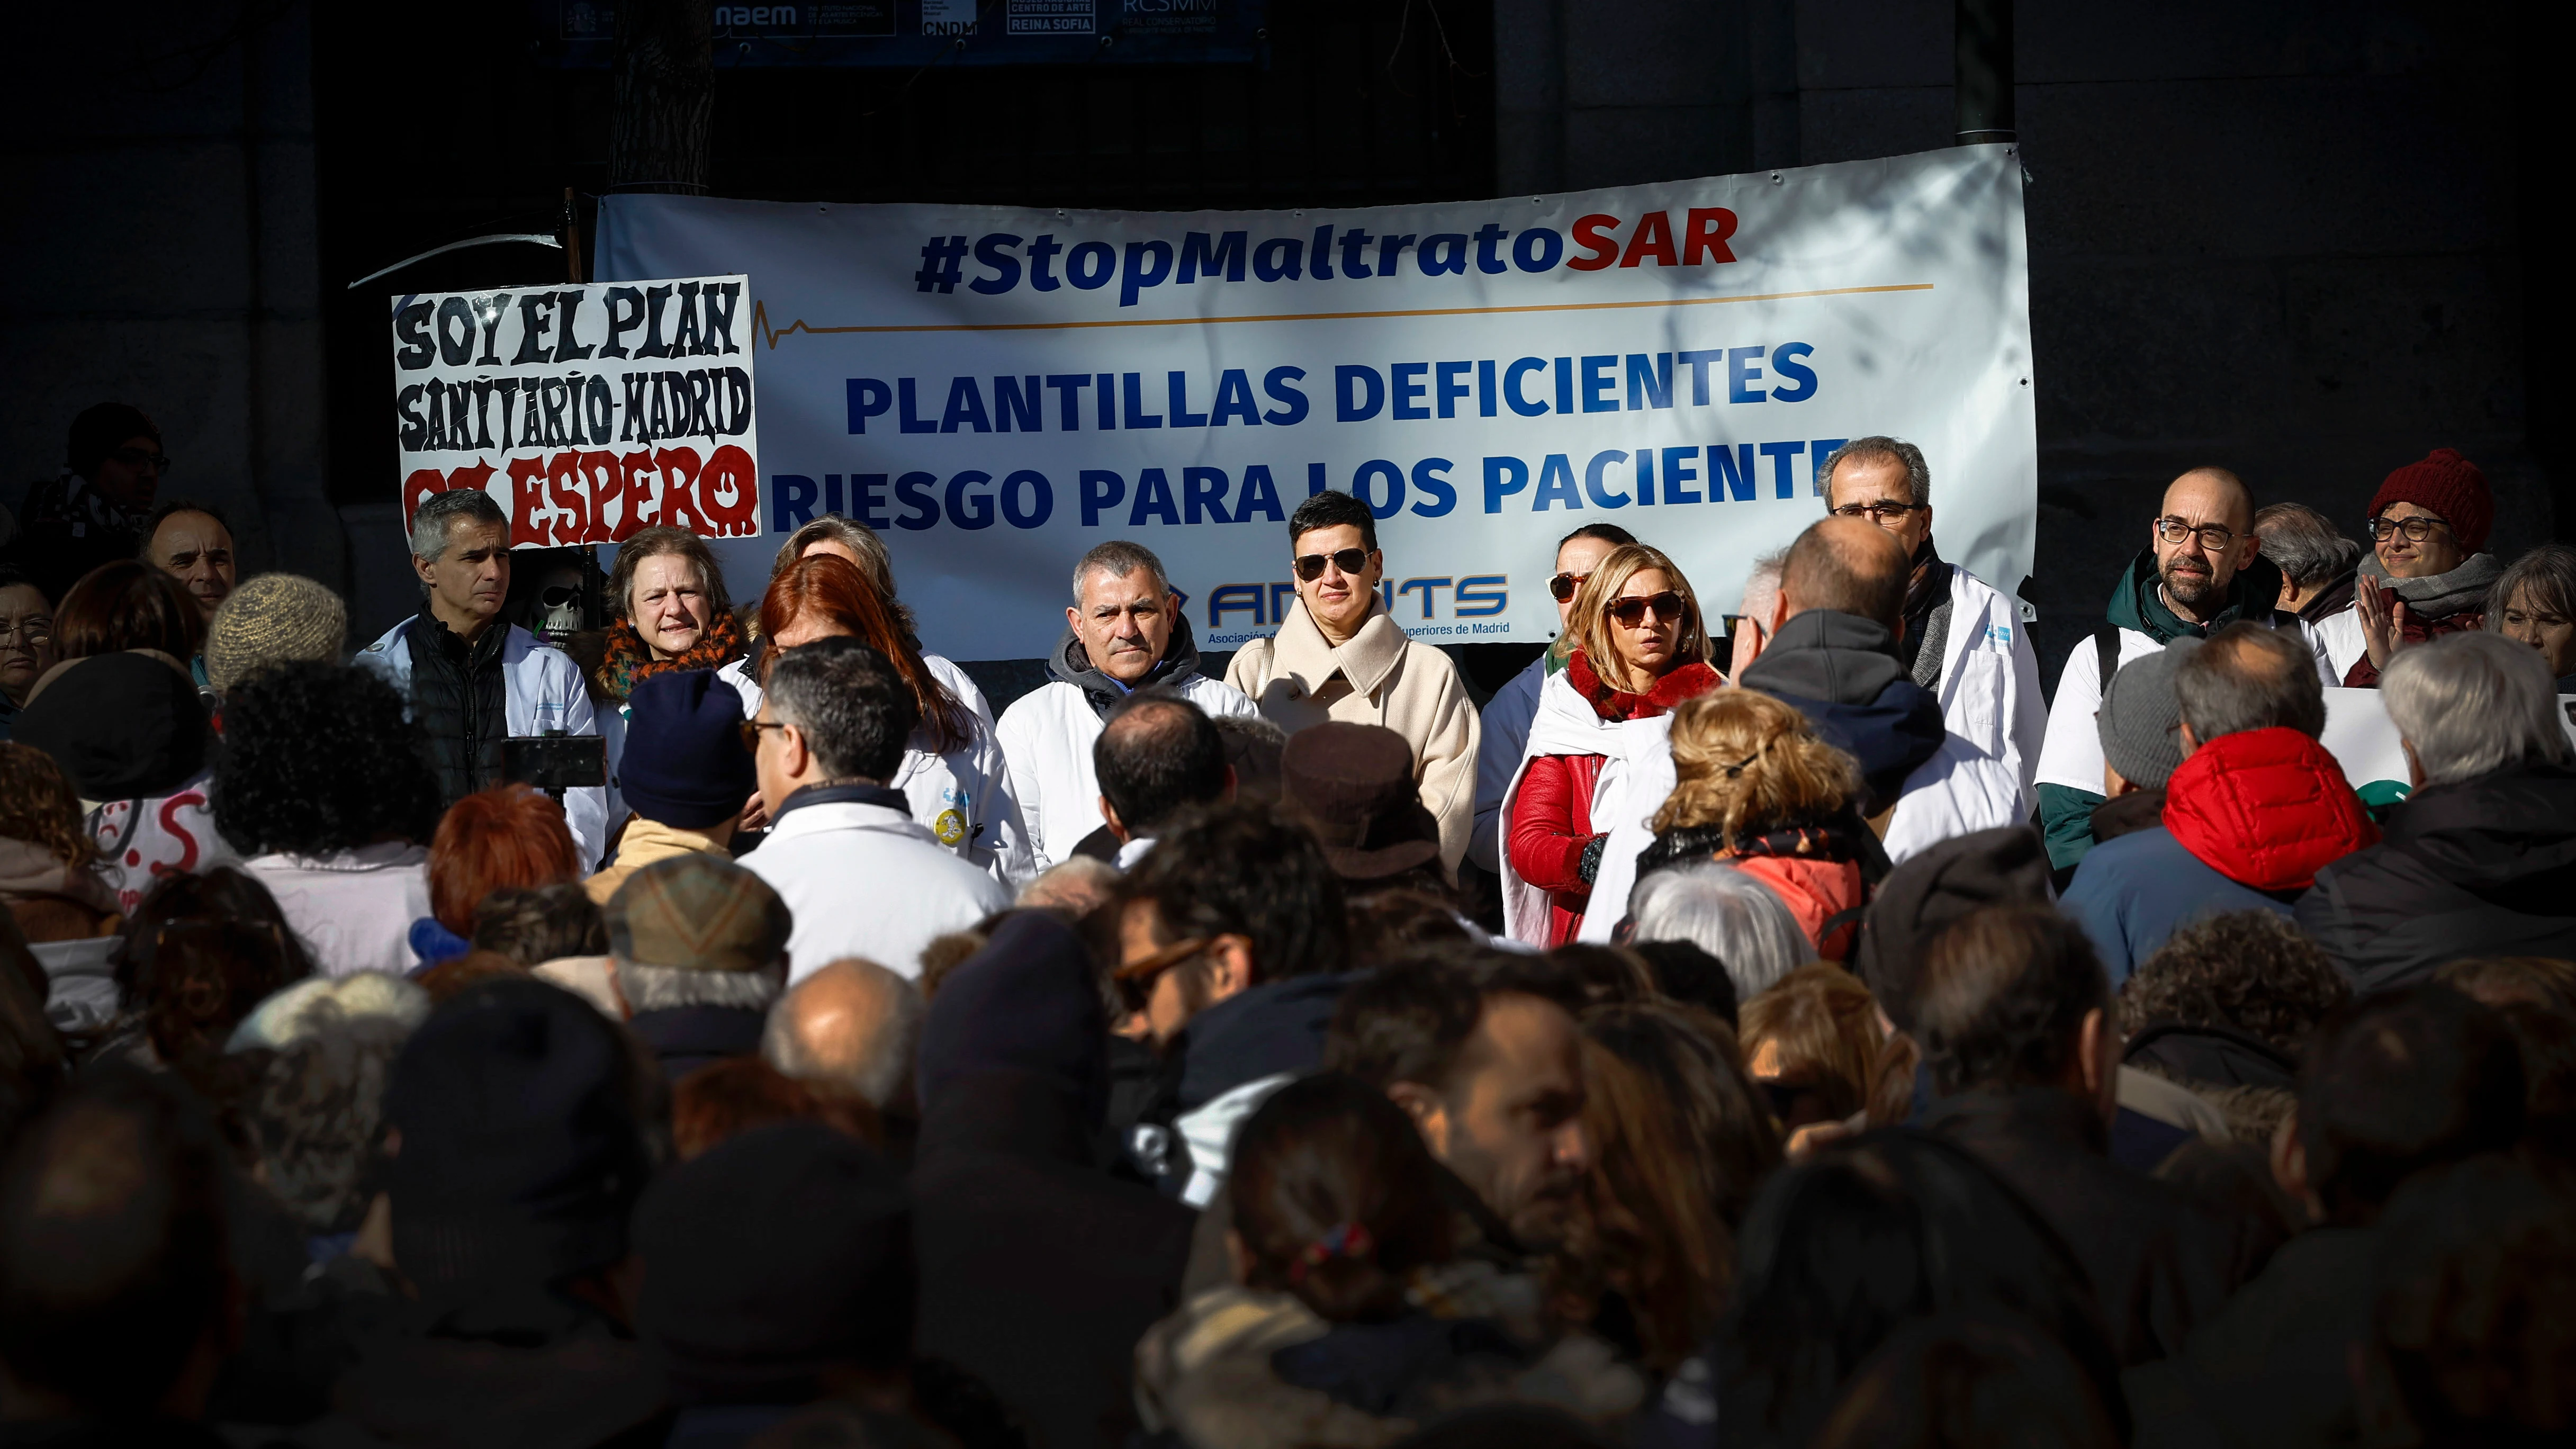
[
  {"x": 963, "y": 796},
  {"x": 867, "y": 881},
  {"x": 2072, "y": 755},
  {"x": 2341, "y": 636},
  {"x": 353, "y": 909},
  {"x": 1047, "y": 735}
]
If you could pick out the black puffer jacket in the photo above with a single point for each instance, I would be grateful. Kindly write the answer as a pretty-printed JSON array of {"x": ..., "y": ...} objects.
[
  {"x": 2160, "y": 1263},
  {"x": 2483, "y": 867},
  {"x": 460, "y": 699},
  {"x": 1039, "y": 1270}
]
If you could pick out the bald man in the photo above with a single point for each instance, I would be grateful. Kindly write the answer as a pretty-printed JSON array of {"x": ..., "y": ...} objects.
[
  {"x": 2202, "y": 570},
  {"x": 1825, "y": 626},
  {"x": 1832, "y": 652},
  {"x": 853, "y": 1026}
]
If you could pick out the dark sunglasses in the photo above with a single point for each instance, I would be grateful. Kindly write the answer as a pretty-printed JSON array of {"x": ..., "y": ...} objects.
[
  {"x": 138, "y": 458},
  {"x": 1631, "y": 612},
  {"x": 1310, "y": 566},
  {"x": 751, "y": 729},
  {"x": 555, "y": 596},
  {"x": 1564, "y": 585},
  {"x": 1136, "y": 979}
]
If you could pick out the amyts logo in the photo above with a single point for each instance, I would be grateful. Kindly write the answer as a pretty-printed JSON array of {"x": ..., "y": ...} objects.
[
  {"x": 1005, "y": 260},
  {"x": 1475, "y": 602}
]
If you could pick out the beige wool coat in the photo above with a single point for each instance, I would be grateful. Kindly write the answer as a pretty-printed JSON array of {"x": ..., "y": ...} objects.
[{"x": 1381, "y": 677}]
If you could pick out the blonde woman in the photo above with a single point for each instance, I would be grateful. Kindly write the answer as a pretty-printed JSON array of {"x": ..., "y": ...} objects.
[
  {"x": 1756, "y": 786},
  {"x": 1641, "y": 648}
]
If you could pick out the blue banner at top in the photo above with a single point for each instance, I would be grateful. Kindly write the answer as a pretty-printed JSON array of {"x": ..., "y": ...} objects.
[{"x": 953, "y": 32}]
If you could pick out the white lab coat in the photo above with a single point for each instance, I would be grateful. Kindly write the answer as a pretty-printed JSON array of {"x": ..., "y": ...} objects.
[
  {"x": 2340, "y": 635},
  {"x": 543, "y": 691},
  {"x": 963, "y": 797},
  {"x": 1993, "y": 710},
  {"x": 866, "y": 881},
  {"x": 2072, "y": 755},
  {"x": 1047, "y": 735}
]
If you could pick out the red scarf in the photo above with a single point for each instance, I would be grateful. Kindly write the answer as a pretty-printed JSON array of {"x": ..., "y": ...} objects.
[
  {"x": 1690, "y": 681},
  {"x": 630, "y": 660}
]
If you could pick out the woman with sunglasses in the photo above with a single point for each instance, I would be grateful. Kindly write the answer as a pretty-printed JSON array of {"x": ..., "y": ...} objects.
[
  {"x": 1640, "y": 649},
  {"x": 1506, "y": 717},
  {"x": 2426, "y": 575},
  {"x": 953, "y": 772}
]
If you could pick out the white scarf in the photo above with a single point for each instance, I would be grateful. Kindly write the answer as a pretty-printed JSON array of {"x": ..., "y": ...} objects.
[{"x": 1567, "y": 724}]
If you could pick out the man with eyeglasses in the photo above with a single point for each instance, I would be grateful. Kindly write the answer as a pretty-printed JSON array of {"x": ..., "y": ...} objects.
[
  {"x": 1505, "y": 724},
  {"x": 1124, "y": 632},
  {"x": 94, "y": 512},
  {"x": 862, "y": 877},
  {"x": 1231, "y": 936},
  {"x": 1963, "y": 638},
  {"x": 1340, "y": 655},
  {"x": 2202, "y": 570}
]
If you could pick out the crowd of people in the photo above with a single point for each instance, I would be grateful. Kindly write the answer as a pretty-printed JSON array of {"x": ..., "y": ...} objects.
[{"x": 1781, "y": 1027}]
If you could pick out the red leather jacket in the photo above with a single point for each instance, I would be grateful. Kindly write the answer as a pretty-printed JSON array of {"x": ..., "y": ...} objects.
[
  {"x": 2266, "y": 809},
  {"x": 1551, "y": 822}
]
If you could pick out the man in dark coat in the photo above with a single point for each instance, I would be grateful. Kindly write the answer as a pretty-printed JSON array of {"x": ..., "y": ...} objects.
[
  {"x": 2481, "y": 859},
  {"x": 522, "y": 1157},
  {"x": 1833, "y": 654},
  {"x": 1039, "y": 1270},
  {"x": 1230, "y": 932},
  {"x": 2394, "y": 1085},
  {"x": 2013, "y": 1014}
]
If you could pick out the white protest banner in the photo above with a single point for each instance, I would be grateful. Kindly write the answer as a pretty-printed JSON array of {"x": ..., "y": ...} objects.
[
  {"x": 2362, "y": 738},
  {"x": 997, "y": 390},
  {"x": 587, "y": 412},
  {"x": 2364, "y": 741}
]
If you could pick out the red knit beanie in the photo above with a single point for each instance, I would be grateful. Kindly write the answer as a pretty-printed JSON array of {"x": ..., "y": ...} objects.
[{"x": 2449, "y": 485}]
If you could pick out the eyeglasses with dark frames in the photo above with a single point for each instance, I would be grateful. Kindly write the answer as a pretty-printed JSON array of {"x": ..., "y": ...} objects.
[
  {"x": 1884, "y": 512},
  {"x": 751, "y": 729},
  {"x": 2416, "y": 529},
  {"x": 2212, "y": 537}
]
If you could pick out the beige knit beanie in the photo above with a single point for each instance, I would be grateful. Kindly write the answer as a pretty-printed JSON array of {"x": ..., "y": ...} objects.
[{"x": 273, "y": 619}]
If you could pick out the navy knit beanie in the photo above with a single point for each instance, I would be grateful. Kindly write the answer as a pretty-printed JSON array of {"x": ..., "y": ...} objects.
[
  {"x": 684, "y": 764},
  {"x": 522, "y": 1152}
]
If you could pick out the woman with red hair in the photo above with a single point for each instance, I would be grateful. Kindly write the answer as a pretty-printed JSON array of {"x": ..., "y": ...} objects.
[
  {"x": 508, "y": 835},
  {"x": 952, "y": 770},
  {"x": 850, "y": 539}
]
